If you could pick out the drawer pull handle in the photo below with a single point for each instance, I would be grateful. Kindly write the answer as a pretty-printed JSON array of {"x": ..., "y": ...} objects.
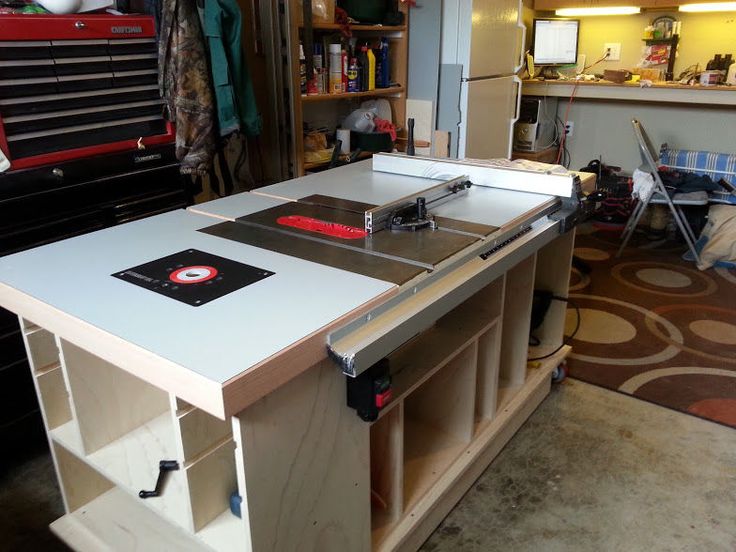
[
  {"x": 164, "y": 467},
  {"x": 80, "y": 25}
]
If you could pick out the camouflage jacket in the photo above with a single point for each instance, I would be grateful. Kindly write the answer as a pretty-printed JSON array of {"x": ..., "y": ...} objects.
[{"x": 184, "y": 80}]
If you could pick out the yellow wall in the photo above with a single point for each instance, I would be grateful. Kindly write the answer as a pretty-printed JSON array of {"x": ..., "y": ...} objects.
[{"x": 703, "y": 34}]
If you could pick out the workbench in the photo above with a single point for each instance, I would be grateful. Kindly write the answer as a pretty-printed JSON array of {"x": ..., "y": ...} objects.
[{"x": 239, "y": 393}]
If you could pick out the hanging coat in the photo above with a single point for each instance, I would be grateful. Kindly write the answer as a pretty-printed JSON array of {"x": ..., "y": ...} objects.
[
  {"x": 236, "y": 102},
  {"x": 185, "y": 85}
]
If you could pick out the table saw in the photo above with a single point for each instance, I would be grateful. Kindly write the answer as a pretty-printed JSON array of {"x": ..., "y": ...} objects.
[{"x": 339, "y": 355}]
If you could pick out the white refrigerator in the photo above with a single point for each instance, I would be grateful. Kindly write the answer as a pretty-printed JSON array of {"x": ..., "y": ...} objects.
[{"x": 482, "y": 49}]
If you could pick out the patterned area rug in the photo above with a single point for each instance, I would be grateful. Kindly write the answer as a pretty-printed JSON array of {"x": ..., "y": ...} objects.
[{"x": 654, "y": 326}]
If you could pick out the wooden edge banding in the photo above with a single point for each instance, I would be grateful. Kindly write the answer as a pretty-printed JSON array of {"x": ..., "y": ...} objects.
[
  {"x": 258, "y": 381},
  {"x": 156, "y": 370},
  {"x": 274, "y": 196},
  {"x": 193, "y": 209}
]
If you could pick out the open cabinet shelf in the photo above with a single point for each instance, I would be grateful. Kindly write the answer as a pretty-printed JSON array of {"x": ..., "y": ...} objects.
[
  {"x": 316, "y": 109},
  {"x": 461, "y": 390}
]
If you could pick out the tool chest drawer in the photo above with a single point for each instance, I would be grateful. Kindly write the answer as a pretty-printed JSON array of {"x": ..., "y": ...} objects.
[{"x": 75, "y": 86}]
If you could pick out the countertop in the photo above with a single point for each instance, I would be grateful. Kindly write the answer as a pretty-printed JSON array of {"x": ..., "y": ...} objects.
[{"x": 660, "y": 92}]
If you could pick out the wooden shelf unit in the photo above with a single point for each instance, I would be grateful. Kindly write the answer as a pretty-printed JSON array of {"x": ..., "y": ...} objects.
[
  {"x": 108, "y": 430},
  {"x": 461, "y": 389},
  {"x": 301, "y": 105},
  {"x": 310, "y": 471}
]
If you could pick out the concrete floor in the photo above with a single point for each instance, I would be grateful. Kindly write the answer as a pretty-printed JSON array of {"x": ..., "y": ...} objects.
[{"x": 591, "y": 470}]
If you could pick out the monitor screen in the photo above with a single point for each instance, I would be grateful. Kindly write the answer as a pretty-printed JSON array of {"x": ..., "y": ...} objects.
[{"x": 555, "y": 41}]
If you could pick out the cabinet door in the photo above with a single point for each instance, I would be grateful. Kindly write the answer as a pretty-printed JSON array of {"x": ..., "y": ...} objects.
[
  {"x": 488, "y": 117},
  {"x": 495, "y": 36}
]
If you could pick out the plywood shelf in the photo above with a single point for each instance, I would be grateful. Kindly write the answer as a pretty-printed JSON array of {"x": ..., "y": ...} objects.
[
  {"x": 428, "y": 452},
  {"x": 392, "y": 91},
  {"x": 131, "y": 463},
  {"x": 116, "y": 521},
  {"x": 421, "y": 357},
  {"x": 149, "y": 443}
]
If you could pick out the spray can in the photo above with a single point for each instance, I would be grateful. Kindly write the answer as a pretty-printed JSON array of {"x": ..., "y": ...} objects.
[
  {"x": 344, "y": 66},
  {"x": 302, "y": 70},
  {"x": 363, "y": 62},
  {"x": 353, "y": 75},
  {"x": 335, "y": 69},
  {"x": 383, "y": 79}
]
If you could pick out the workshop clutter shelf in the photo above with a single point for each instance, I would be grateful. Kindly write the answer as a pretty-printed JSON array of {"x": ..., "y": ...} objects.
[
  {"x": 109, "y": 430},
  {"x": 320, "y": 110},
  {"x": 461, "y": 389}
]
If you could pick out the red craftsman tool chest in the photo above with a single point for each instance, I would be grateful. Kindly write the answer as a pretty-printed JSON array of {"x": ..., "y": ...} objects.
[{"x": 78, "y": 85}]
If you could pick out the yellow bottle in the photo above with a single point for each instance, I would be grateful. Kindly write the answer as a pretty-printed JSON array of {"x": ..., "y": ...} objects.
[{"x": 371, "y": 70}]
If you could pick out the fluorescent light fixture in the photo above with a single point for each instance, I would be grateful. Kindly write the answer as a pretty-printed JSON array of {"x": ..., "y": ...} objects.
[
  {"x": 613, "y": 10},
  {"x": 714, "y": 7}
]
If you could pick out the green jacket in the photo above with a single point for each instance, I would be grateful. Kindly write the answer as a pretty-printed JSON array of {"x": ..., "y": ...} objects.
[{"x": 236, "y": 102}]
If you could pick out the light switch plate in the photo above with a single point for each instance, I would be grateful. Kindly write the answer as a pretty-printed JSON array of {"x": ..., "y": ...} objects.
[{"x": 615, "y": 48}]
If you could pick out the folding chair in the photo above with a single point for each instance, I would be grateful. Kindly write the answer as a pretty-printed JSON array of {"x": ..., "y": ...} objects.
[{"x": 659, "y": 196}]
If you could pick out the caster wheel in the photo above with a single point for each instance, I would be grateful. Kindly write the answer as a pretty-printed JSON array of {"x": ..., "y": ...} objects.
[{"x": 560, "y": 373}]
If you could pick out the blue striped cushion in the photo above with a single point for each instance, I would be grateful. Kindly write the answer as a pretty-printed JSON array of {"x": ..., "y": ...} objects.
[{"x": 715, "y": 165}]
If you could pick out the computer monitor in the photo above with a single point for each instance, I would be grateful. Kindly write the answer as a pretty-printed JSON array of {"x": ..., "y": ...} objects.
[{"x": 555, "y": 41}]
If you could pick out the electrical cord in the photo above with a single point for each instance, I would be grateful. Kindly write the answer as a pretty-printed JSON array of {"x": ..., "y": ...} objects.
[
  {"x": 564, "y": 125},
  {"x": 567, "y": 340},
  {"x": 605, "y": 56}
]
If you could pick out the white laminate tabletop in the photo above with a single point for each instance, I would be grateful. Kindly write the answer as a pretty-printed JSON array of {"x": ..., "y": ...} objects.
[{"x": 218, "y": 340}]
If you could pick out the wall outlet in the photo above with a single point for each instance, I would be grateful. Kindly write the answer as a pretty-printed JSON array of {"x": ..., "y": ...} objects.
[
  {"x": 569, "y": 127},
  {"x": 614, "y": 51}
]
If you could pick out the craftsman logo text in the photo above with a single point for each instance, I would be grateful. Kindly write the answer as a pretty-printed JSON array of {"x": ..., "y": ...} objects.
[{"x": 126, "y": 30}]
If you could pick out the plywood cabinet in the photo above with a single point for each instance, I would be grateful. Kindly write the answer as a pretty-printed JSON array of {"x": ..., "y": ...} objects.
[{"x": 308, "y": 473}]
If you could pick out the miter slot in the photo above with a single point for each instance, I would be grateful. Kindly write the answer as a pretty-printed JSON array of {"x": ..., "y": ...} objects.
[
  {"x": 377, "y": 218},
  {"x": 426, "y": 248},
  {"x": 337, "y": 203}
]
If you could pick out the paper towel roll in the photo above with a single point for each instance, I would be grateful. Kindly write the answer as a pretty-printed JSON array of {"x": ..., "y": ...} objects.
[{"x": 343, "y": 134}]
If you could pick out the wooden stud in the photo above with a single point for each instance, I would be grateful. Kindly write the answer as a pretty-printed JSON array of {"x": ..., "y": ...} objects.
[{"x": 441, "y": 148}]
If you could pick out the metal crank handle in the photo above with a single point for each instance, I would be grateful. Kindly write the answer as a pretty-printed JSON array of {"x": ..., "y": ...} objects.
[{"x": 164, "y": 467}]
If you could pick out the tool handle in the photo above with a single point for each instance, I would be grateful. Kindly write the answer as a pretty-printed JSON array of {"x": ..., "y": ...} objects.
[
  {"x": 410, "y": 138},
  {"x": 164, "y": 467}
]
